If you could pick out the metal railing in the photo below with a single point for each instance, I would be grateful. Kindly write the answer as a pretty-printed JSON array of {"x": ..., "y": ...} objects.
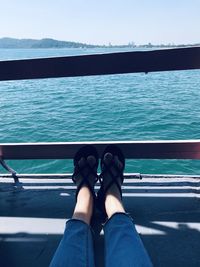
[{"x": 101, "y": 64}]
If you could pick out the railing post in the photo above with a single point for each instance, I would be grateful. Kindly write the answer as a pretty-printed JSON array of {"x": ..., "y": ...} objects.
[{"x": 10, "y": 170}]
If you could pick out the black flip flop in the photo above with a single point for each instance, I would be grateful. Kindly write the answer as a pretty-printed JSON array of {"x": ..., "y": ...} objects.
[
  {"x": 115, "y": 151},
  {"x": 84, "y": 152}
]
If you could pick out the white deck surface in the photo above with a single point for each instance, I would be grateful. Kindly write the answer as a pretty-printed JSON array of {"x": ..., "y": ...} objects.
[{"x": 166, "y": 212}]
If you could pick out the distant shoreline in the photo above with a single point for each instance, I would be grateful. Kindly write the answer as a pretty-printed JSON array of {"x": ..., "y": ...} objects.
[{"x": 13, "y": 43}]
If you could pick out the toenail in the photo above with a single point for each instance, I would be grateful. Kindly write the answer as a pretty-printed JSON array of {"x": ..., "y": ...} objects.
[
  {"x": 91, "y": 160},
  {"x": 108, "y": 156}
]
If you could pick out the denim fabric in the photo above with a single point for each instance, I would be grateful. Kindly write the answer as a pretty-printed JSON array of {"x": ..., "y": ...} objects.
[
  {"x": 76, "y": 247},
  {"x": 123, "y": 246}
]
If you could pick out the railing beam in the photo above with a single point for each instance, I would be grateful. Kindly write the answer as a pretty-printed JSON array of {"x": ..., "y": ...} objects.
[
  {"x": 178, "y": 149},
  {"x": 101, "y": 64}
]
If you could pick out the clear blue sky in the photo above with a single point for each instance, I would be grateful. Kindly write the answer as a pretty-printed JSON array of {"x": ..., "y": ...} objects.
[{"x": 102, "y": 21}]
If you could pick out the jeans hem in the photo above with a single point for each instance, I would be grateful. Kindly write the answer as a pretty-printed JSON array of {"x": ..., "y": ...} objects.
[
  {"x": 82, "y": 222},
  {"x": 114, "y": 215}
]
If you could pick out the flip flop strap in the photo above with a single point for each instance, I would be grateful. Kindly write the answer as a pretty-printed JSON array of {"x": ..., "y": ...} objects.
[
  {"x": 107, "y": 169},
  {"x": 80, "y": 171}
]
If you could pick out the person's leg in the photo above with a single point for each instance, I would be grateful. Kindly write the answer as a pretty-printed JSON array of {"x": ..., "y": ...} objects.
[
  {"x": 123, "y": 246},
  {"x": 76, "y": 246}
]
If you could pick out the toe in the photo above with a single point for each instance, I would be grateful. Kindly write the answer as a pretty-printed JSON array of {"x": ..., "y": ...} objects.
[
  {"x": 81, "y": 162},
  {"x": 115, "y": 166},
  {"x": 118, "y": 162},
  {"x": 108, "y": 157},
  {"x": 91, "y": 160}
]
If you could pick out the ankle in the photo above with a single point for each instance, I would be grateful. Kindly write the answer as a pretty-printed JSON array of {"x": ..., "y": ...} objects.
[
  {"x": 84, "y": 193},
  {"x": 113, "y": 204},
  {"x": 113, "y": 201},
  {"x": 84, "y": 205},
  {"x": 114, "y": 191},
  {"x": 85, "y": 199}
]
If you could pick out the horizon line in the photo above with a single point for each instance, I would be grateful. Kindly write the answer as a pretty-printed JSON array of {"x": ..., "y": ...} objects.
[{"x": 131, "y": 43}]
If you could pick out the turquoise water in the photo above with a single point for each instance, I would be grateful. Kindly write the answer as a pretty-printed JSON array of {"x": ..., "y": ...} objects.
[{"x": 162, "y": 105}]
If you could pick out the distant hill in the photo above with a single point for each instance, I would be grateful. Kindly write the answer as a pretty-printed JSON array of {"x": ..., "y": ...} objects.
[
  {"x": 7, "y": 42},
  {"x": 43, "y": 43}
]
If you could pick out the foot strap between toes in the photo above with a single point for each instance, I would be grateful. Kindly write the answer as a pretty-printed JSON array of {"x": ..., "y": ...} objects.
[
  {"x": 80, "y": 171},
  {"x": 107, "y": 169}
]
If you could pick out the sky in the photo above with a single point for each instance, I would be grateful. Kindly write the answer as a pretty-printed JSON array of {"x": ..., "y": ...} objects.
[{"x": 103, "y": 21}]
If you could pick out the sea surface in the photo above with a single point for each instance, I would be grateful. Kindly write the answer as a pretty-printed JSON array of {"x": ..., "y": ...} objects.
[{"x": 156, "y": 106}]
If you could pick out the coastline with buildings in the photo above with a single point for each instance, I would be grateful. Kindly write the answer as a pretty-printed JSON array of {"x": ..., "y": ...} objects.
[{"x": 7, "y": 42}]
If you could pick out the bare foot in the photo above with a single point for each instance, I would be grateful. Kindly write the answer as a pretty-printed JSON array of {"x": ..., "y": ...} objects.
[
  {"x": 113, "y": 200},
  {"x": 84, "y": 205}
]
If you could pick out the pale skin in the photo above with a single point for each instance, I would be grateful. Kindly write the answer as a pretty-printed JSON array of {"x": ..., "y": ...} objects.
[{"x": 84, "y": 205}]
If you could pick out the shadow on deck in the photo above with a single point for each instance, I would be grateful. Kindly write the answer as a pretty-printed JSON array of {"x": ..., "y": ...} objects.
[{"x": 166, "y": 212}]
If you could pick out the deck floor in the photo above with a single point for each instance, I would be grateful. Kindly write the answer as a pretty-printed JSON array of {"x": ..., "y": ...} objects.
[{"x": 166, "y": 212}]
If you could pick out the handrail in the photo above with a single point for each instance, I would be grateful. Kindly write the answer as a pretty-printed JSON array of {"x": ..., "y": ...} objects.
[
  {"x": 101, "y": 64},
  {"x": 176, "y": 149}
]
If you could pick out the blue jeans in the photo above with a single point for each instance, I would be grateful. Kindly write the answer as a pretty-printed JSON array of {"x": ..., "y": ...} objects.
[{"x": 123, "y": 246}]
